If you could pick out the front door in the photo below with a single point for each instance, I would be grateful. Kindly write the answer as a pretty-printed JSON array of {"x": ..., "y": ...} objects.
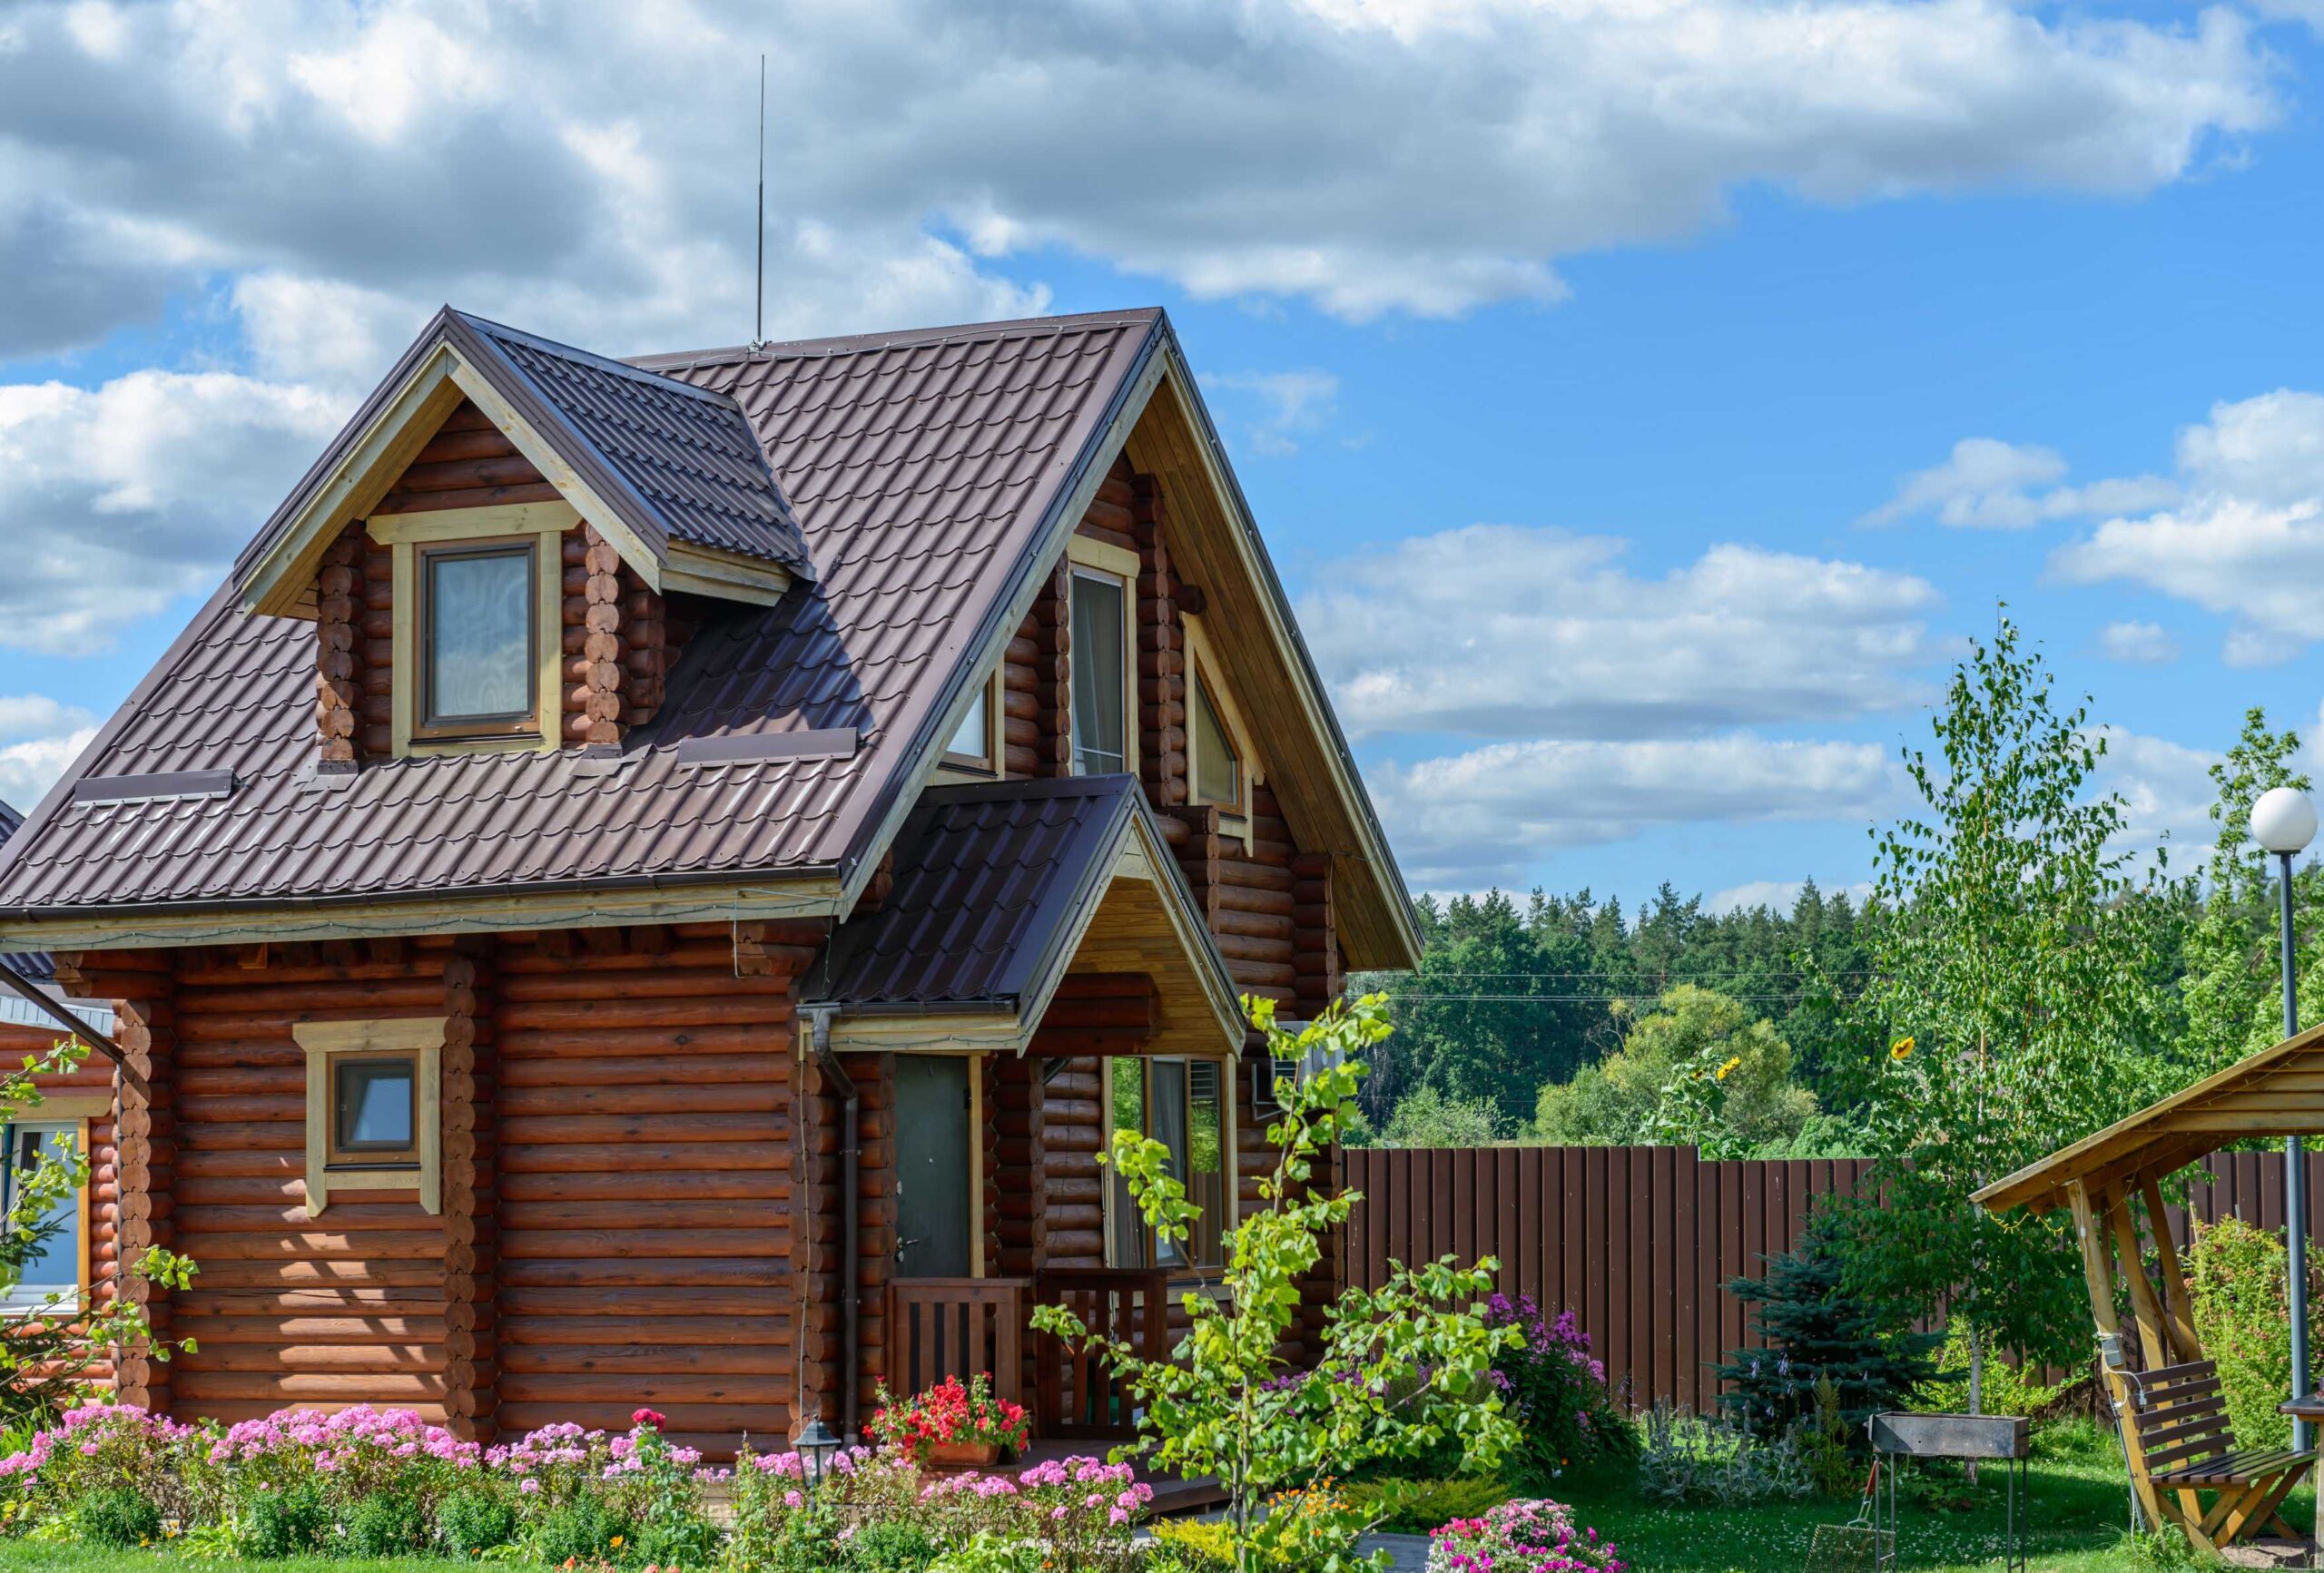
[{"x": 931, "y": 1166}]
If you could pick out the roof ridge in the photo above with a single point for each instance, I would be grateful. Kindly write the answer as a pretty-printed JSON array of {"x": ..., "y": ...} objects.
[
  {"x": 605, "y": 363},
  {"x": 861, "y": 343}
]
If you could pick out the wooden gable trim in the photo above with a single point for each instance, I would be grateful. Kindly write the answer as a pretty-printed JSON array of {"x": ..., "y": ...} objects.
[
  {"x": 1216, "y": 546},
  {"x": 282, "y": 583}
]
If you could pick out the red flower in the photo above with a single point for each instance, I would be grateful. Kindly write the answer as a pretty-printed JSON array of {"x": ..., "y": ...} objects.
[{"x": 650, "y": 1419}]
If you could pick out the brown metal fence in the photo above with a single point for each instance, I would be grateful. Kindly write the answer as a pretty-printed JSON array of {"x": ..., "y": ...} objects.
[{"x": 1639, "y": 1242}]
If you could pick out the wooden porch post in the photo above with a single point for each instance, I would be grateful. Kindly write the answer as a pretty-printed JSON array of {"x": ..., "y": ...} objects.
[
  {"x": 2175, "y": 1298},
  {"x": 2098, "y": 1277}
]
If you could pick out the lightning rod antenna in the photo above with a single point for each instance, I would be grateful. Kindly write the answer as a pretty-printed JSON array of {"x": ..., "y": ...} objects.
[{"x": 758, "y": 312}]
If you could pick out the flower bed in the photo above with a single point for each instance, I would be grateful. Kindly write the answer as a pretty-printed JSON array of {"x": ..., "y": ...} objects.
[
  {"x": 384, "y": 1482},
  {"x": 951, "y": 1421},
  {"x": 1536, "y": 1536}
]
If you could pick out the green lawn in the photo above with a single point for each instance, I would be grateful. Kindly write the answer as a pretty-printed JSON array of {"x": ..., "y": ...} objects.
[{"x": 2074, "y": 1514}]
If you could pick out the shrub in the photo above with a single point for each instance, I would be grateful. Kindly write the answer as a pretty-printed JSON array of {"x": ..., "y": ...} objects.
[
  {"x": 990, "y": 1553},
  {"x": 1813, "y": 1327},
  {"x": 1687, "y": 1458},
  {"x": 2006, "y": 1389},
  {"x": 384, "y": 1524},
  {"x": 284, "y": 1522},
  {"x": 475, "y": 1519},
  {"x": 1556, "y": 1392},
  {"x": 1416, "y": 1506},
  {"x": 582, "y": 1530},
  {"x": 2237, "y": 1279},
  {"x": 1194, "y": 1545},
  {"x": 1523, "y": 1536},
  {"x": 118, "y": 1516},
  {"x": 894, "y": 1547},
  {"x": 102, "y": 1448}
]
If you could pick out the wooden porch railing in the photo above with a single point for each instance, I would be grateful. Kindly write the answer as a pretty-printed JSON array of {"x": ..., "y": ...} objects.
[
  {"x": 1074, "y": 1395},
  {"x": 940, "y": 1327}
]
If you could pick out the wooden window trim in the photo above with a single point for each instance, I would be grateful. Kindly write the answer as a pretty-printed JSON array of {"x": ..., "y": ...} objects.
[
  {"x": 1202, "y": 668},
  {"x": 406, "y": 536},
  {"x": 1103, "y": 560},
  {"x": 419, "y": 1037}
]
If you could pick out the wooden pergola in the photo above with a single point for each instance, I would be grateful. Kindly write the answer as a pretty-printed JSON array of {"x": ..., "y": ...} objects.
[{"x": 2175, "y": 1434}]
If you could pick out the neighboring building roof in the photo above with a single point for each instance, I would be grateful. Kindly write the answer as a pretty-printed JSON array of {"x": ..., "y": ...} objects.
[
  {"x": 987, "y": 879},
  {"x": 30, "y": 964},
  {"x": 925, "y": 469}
]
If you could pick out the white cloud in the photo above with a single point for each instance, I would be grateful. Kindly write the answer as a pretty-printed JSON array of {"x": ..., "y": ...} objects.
[
  {"x": 1291, "y": 404},
  {"x": 1782, "y": 895},
  {"x": 116, "y": 500},
  {"x": 1470, "y": 820},
  {"x": 2248, "y": 540},
  {"x": 1991, "y": 485},
  {"x": 1502, "y": 631},
  {"x": 2166, "y": 788},
  {"x": 38, "y": 738},
  {"x": 2138, "y": 644},
  {"x": 586, "y": 167}
]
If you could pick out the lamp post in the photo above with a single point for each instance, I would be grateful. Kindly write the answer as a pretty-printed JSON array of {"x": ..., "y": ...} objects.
[
  {"x": 816, "y": 1444},
  {"x": 2284, "y": 822}
]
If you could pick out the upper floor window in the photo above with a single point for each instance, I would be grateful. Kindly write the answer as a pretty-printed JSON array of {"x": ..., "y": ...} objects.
[
  {"x": 476, "y": 633},
  {"x": 1217, "y": 766},
  {"x": 1101, "y": 675},
  {"x": 973, "y": 746}
]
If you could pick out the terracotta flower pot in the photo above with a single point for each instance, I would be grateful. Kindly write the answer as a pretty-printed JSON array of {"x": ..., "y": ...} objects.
[{"x": 963, "y": 1455}]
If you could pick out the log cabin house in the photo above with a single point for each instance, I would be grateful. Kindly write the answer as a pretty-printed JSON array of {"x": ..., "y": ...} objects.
[{"x": 652, "y": 881}]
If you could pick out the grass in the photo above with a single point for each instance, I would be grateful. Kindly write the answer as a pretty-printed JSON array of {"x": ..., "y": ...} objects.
[
  {"x": 19, "y": 1557},
  {"x": 2072, "y": 1516}
]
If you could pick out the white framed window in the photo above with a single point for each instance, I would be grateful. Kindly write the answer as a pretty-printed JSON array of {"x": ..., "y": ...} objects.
[
  {"x": 1221, "y": 767},
  {"x": 975, "y": 745},
  {"x": 1103, "y": 588},
  {"x": 1182, "y": 1103},
  {"x": 58, "y": 1264},
  {"x": 374, "y": 1107}
]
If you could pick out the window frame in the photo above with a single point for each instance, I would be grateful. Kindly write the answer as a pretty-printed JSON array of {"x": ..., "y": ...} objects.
[
  {"x": 1103, "y": 561},
  {"x": 1202, "y": 668},
  {"x": 65, "y": 1112},
  {"x": 425, "y": 725},
  {"x": 1115, "y": 1203},
  {"x": 406, "y": 536},
  {"x": 418, "y": 1038},
  {"x": 338, "y": 1154},
  {"x": 988, "y": 764}
]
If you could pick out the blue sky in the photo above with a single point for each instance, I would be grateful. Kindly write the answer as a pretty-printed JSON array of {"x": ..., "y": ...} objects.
[{"x": 1677, "y": 331}]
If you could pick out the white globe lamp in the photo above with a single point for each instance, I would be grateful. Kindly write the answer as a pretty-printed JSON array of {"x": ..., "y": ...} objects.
[{"x": 2283, "y": 820}]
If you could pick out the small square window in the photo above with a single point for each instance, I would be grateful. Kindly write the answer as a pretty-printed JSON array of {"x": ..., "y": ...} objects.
[{"x": 374, "y": 1109}]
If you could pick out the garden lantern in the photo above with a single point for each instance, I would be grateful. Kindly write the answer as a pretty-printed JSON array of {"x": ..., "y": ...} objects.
[
  {"x": 2283, "y": 820},
  {"x": 816, "y": 1444}
]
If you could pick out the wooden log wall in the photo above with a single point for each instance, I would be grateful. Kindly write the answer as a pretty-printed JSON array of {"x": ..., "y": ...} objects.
[
  {"x": 468, "y": 464},
  {"x": 1073, "y": 1130},
  {"x": 817, "y": 1261},
  {"x": 1161, "y": 648},
  {"x": 340, "y": 674},
  {"x": 1251, "y": 915},
  {"x": 469, "y": 1194},
  {"x": 374, "y": 593}
]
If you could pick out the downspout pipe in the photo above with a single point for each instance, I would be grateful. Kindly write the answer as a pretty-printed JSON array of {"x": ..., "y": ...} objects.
[{"x": 850, "y": 1295}]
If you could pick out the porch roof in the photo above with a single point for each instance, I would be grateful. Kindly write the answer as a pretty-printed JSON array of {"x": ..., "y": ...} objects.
[
  {"x": 999, "y": 885},
  {"x": 2277, "y": 1092}
]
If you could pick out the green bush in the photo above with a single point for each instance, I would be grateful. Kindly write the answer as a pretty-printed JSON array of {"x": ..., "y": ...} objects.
[
  {"x": 1687, "y": 1458},
  {"x": 118, "y": 1516},
  {"x": 1416, "y": 1506},
  {"x": 890, "y": 1548},
  {"x": 285, "y": 1523},
  {"x": 386, "y": 1525},
  {"x": 580, "y": 1530},
  {"x": 1193, "y": 1546},
  {"x": 472, "y": 1520},
  {"x": 2006, "y": 1390},
  {"x": 2237, "y": 1278}
]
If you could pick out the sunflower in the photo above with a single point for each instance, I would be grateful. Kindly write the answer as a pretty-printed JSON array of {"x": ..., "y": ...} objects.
[
  {"x": 1729, "y": 1068},
  {"x": 1901, "y": 1049}
]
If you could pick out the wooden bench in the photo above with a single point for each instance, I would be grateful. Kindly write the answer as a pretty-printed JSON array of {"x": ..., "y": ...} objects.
[{"x": 2179, "y": 1442}]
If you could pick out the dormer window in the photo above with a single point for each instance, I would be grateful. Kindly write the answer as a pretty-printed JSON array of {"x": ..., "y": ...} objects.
[{"x": 478, "y": 636}]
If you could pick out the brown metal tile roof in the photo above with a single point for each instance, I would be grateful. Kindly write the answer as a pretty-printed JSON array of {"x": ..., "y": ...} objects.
[
  {"x": 986, "y": 877},
  {"x": 25, "y": 963},
  {"x": 923, "y": 467}
]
